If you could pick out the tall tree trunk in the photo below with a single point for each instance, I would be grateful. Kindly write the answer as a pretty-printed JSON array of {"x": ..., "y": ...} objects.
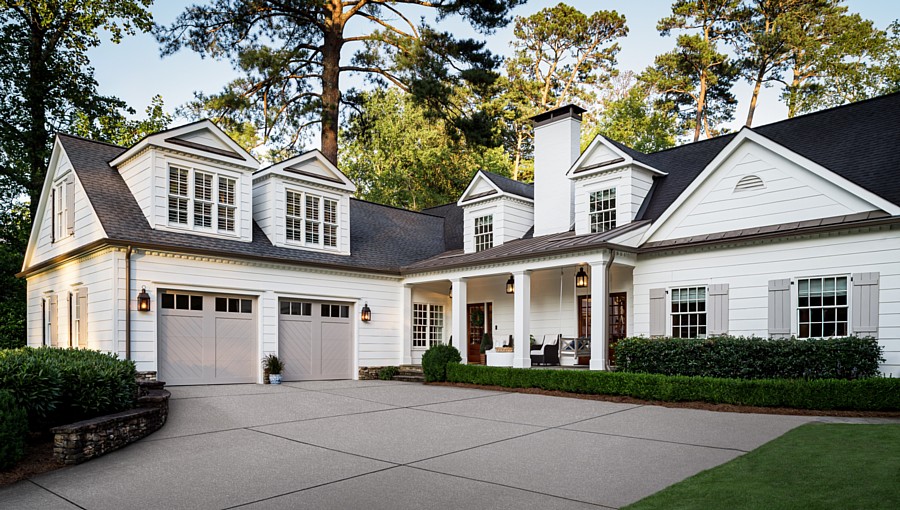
[
  {"x": 757, "y": 85},
  {"x": 36, "y": 140},
  {"x": 701, "y": 106},
  {"x": 331, "y": 90},
  {"x": 794, "y": 95},
  {"x": 518, "y": 161}
]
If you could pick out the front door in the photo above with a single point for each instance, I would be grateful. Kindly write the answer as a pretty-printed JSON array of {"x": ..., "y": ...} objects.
[
  {"x": 618, "y": 306},
  {"x": 584, "y": 316},
  {"x": 479, "y": 322}
]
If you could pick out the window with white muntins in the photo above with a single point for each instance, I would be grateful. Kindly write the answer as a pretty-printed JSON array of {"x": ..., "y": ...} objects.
[
  {"x": 822, "y": 307},
  {"x": 689, "y": 312},
  {"x": 227, "y": 204},
  {"x": 484, "y": 232},
  {"x": 311, "y": 220},
  {"x": 603, "y": 210},
  {"x": 428, "y": 325},
  {"x": 202, "y": 200}
]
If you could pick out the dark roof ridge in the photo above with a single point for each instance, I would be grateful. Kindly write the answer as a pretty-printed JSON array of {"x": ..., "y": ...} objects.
[
  {"x": 396, "y": 208},
  {"x": 86, "y": 139},
  {"x": 827, "y": 110},
  {"x": 698, "y": 142}
]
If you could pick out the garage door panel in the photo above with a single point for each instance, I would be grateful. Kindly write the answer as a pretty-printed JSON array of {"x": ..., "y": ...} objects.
[
  {"x": 181, "y": 355},
  {"x": 235, "y": 350},
  {"x": 297, "y": 349},
  {"x": 337, "y": 350}
]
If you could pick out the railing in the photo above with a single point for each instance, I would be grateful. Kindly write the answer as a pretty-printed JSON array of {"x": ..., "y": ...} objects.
[{"x": 575, "y": 347}]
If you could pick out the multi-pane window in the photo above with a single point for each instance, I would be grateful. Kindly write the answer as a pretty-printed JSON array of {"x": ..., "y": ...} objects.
[
  {"x": 484, "y": 233},
  {"x": 689, "y": 312},
  {"x": 172, "y": 301},
  {"x": 294, "y": 216},
  {"x": 335, "y": 311},
  {"x": 226, "y": 204},
  {"x": 603, "y": 210},
  {"x": 329, "y": 226},
  {"x": 203, "y": 195},
  {"x": 234, "y": 305},
  {"x": 822, "y": 308},
  {"x": 300, "y": 308},
  {"x": 178, "y": 195},
  {"x": 312, "y": 219},
  {"x": 427, "y": 325}
]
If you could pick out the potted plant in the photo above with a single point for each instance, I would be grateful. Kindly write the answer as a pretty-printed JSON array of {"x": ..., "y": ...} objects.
[
  {"x": 487, "y": 343},
  {"x": 273, "y": 365}
]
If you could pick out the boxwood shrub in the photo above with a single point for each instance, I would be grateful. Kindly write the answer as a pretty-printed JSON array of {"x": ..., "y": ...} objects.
[
  {"x": 59, "y": 386},
  {"x": 874, "y": 394},
  {"x": 752, "y": 358},
  {"x": 435, "y": 360},
  {"x": 13, "y": 430}
]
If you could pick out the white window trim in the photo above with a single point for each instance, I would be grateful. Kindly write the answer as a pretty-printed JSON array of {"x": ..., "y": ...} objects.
[
  {"x": 476, "y": 235},
  {"x": 669, "y": 322},
  {"x": 322, "y": 197},
  {"x": 428, "y": 311},
  {"x": 217, "y": 174},
  {"x": 614, "y": 209},
  {"x": 795, "y": 302},
  {"x": 61, "y": 229}
]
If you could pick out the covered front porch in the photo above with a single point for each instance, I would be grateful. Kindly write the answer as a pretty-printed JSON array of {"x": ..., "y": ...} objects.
[{"x": 538, "y": 312}]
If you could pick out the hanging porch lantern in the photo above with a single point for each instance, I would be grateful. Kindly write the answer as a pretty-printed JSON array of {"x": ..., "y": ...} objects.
[
  {"x": 143, "y": 300},
  {"x": 510, "y": 285},
  {"x": 366, "y": 313},
  {"x": 581, "y": 278}
]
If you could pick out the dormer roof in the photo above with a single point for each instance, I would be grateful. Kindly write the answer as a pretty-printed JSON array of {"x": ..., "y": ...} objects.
[
  {"x": 310, "y": 166},
  {"x": 603, "y": 154},
  {"x": 488, "y": 185}
]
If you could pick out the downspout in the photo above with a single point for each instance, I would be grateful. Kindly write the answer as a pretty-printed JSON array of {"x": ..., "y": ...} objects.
[
  {"x": 128, "y": 303},
  {"x": 605, "y": 340}
]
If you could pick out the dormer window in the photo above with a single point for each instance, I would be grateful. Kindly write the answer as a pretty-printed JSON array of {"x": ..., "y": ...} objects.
[
  {"x": 603, "y": 210},
  {"x": 203, "y": 200},
  {"x": 226, "y": 204},
  {"x": 484, "y": 232},
  {"x": 311, "y": 220},
  {"x": 191, "y": 201},
  {"x": 178, "y": 195}
]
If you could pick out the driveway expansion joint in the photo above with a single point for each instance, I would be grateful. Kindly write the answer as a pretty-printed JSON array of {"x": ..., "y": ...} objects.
[{"x": 67, "y": 500}]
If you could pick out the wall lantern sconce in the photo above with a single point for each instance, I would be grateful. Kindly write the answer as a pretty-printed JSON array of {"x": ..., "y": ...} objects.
[
  {"x": 366, "y": 313},
  {"x": 143, "y": 300},
  {"x": 510, "y": 285},
  {"x": 581, "y": 278}
]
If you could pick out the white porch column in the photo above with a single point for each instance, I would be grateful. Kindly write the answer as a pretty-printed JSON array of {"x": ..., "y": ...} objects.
[
  {"x": 458, "y": 311},
  {"x": 522, "y": 319},
  {"x": 406, "y": 307},
  {"x": 599, "y": 315}
]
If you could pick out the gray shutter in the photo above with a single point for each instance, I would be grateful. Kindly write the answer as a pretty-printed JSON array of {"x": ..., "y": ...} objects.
[
  {"x": 717, "y": 309},
  {"x": 864, "y": 305},
  {"x": 53, "y": 215},
  {"x": 780, "y": 308},
  {"x": 82, "y": 296},
  {"x": 70, "y": 313},
  {"x": 54, "y": 321},
  {"x": 657, "y": 312},
  {"x": 69, "y": 202}
]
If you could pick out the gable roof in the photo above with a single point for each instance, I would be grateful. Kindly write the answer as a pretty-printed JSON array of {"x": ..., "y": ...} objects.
[
  {"x": 855, "y": 141},
  {"x": 382, "y": 238},
  {"x": 511, "y": 186},
  {"x": 310, "y": 165}
]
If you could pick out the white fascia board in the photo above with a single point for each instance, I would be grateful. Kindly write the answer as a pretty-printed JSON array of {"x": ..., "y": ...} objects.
[
  {"x": 42, "y": 203},
  {"x": 463, "y": 199},
  {"x": 598, "y": 140},
  {"x": 280, "y": 169}
]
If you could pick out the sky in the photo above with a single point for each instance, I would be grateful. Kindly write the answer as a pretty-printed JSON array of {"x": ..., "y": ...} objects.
[{"x": 134, "y": 71}]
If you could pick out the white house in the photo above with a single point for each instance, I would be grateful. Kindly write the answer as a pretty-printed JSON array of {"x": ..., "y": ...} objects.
[{"x": 787, "y": 229}]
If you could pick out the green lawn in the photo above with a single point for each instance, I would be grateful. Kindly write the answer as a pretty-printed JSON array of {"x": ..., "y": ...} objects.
[{"x": 816, "y": 466}]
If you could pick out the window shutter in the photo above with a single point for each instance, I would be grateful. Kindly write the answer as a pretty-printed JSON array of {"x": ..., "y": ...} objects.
[
  {"x": 780, "y": 308},
  {"x": 54, "y": 321},
  {"x": 717, "y": 309},
  {"x": 53, "y": 215},
  {"x": 657, "y": 312},
  {"x": 69, "y": 203},
  {"x": 82, "y": 297},
  {"x": 864, "y": 304},
  {"x": 70, "y": 313}
]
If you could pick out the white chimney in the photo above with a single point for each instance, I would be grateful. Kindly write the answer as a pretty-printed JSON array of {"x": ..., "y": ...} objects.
[{"x": 557, "y": 145}]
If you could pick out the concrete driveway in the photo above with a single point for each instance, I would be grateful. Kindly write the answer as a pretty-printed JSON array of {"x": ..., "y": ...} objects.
[{"x": 388, "y": 445}]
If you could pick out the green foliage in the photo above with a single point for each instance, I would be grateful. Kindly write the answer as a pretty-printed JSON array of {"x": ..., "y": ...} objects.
[
  {"x": 635, "y": 121},
  {"x": 387, "y": 373},
  {"x": 487, "y": 342},
  {"x": 273, "y": 364},
  {"x": 59, "y": 386},
  {"x": 752, "y": 358},
  {"x": 15, "y": 221},
  {"x": 115, "y": 127},
  {"x": 398, "y": 155},
  {"x": 875, "y": 394},
  {"x": 13, "y": 430},
  {"x": 436, "y": 359}
]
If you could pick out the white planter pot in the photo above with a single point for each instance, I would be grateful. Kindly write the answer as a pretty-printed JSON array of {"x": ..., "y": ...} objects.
[{"x": 274, "y": 378}]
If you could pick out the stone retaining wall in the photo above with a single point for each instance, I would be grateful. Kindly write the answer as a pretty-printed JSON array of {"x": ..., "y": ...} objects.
[
  {"x": 79, "y": 442},
  {"x": 368, "y": 373}
]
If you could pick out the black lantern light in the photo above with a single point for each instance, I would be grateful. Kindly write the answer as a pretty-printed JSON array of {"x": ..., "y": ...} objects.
[
  {"x": 581, "y": 278},
  {"x": 143, "y": 300},
  {"x": 366, "y": 314},
  {"x": 510, "y": 285}
]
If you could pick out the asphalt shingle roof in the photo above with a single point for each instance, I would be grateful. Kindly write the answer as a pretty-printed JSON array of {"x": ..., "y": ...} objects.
[
  {"x": 511, "y": 186},
  {"x": 453, "y": 223}
]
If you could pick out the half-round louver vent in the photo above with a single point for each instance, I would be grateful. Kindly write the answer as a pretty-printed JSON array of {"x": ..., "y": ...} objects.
[{"x": 749, "y": 183}]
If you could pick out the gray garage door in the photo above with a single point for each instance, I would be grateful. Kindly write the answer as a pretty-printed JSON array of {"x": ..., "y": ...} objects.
[
  {"x": 315, "y": 340},
  {"x": 207, "y": 338}
]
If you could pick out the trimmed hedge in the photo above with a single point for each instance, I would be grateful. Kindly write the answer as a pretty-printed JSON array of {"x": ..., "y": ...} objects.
[
  {"x": 435, "y": 360},
  {"x": 875, "y": 394},
  {"x": 60, "y": 386},
  {"x": 13, "y": 430},
  {"x": 752, "y": 358}
]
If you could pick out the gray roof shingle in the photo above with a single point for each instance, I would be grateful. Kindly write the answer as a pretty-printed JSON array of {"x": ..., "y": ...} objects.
[{"x": 511, "y": 186}]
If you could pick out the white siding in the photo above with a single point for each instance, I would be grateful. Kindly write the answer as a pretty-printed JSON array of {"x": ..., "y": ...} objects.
[
  {"x": 470, "y": 212},
  {"x": 512, "y": 219},
  {"x": 138, "y": 175},
  {"x": 748, "y": 270},
  {"x": 631, "y": 183},
  {"x": 791, "y": 194},
  {"x": 600, "y": 154},
  {"x": 556, "y": 148},
  {"x": 516, "y": 218},
  {"x": 87, "y": 225},
  {"x": 264, "y": 206},
  {"x": 93, "y": 272},
  {"x": 207, "y": 138}
]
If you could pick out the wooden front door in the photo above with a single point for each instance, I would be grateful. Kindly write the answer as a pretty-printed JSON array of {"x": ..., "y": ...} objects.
[
  {"x": 618, "y": 314},
  {"x": 584, "y": 316},
  {"x": 479, "y": 321}
]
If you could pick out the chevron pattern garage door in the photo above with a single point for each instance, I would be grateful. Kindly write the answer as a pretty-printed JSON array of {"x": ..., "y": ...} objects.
[
  {"x": 315, "y": 340},
  {"x": 207, "y": 339}
]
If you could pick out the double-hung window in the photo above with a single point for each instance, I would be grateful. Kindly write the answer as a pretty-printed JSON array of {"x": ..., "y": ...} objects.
[
  {"x": 178, "y": 195},
  {"x": 227, "y": 203},
  {"x": 311, "y": 220},
  {"x": 203, "y": 196},
  {"x": 689, "y": 312},
  {"x": 294, "y": 216},
  {"x": 202, "y": 200},
  {"x": 329, "y": 227},
  {"x": 603, "y": 210},
  {"x": 484, "y": 232},
  {"x": 822, "y": 307},
  {"x": 428, "y": 325}
]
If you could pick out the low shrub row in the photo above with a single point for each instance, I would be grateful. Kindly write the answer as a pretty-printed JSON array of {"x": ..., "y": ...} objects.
[
  {"x": 435, "y": 360},
  {"x": 59, "y": 386},
  {"x": 13, "y": 430},
  {"x": 752, "y": 358},
  {"x": 874, "y": 394}
]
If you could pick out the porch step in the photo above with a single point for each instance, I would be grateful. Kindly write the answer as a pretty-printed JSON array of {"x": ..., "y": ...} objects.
[
  {"x": 410, "y": 373},
  {"x": 409, "y": 378}
]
